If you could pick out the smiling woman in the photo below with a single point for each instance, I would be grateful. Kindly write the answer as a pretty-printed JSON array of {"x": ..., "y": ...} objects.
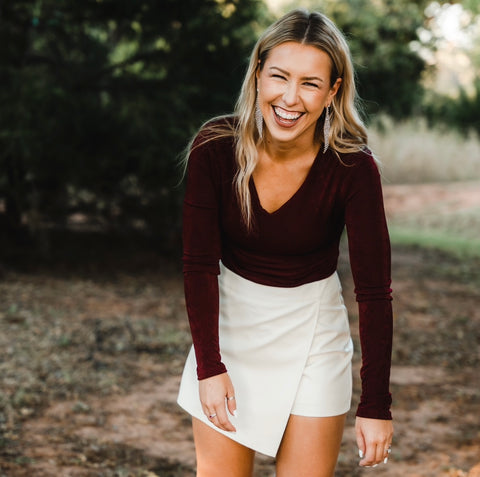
[
  {"x": 294, "y": 93},
  {"x": 269, "y": 191}
]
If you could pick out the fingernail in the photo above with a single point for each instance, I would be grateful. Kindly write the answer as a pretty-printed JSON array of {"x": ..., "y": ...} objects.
[
  {"x": 374, "y": 465},
  {"x": 360, "y": 453},
  {"x": 234, "y": 413},
  {"x": 385, "y": 460}
]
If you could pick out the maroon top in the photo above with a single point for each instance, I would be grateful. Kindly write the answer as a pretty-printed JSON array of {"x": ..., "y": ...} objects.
[{"x": 296, "y": 244}]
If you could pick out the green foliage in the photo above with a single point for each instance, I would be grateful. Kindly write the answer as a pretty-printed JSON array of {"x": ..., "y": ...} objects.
[
  {"x": 472, "y": 5},
  {"x": 102, "y": 95},
  {"x": 433, "y": 239},
  {"x": 461, "y": 113}
]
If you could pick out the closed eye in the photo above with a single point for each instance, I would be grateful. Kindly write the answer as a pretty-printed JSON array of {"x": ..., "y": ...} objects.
[
  {"x": 315, "y": 85},
  {"x": 278, "y": 76}
]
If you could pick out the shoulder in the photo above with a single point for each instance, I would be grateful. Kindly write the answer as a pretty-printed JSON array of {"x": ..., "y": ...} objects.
[
  {"x": 213, "y": 147},
  {"x": 357, "y": 173},
  {"x": 214, "y": 136},
  {"x": 363, "y": 157},
  {"x": 215, "y": 131},
  {"x": 359, "y": 163}
]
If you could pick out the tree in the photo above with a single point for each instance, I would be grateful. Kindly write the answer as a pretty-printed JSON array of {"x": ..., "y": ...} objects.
[{"x": 100, "y": 97}]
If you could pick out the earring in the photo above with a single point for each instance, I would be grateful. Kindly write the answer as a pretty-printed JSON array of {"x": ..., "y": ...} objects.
[
  {"x": 258, "y": 118},
  {"x": 326, "y": 129}
]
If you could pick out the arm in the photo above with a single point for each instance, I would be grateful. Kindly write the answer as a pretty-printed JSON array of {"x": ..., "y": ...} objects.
[
  {"x": 201, "y": 255},
  {"x": 369, "y": 249}
]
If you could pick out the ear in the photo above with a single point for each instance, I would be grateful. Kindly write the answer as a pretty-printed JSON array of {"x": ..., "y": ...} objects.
[{"x": 334, "y": 89}]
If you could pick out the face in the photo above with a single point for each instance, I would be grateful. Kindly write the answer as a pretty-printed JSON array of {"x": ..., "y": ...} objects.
[{"x": 293, "y": 89}]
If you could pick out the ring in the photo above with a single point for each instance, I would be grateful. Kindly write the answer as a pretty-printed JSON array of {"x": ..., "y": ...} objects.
[
  {"x": 230, "y": 398},
  {"x": 212, "y": 416}
]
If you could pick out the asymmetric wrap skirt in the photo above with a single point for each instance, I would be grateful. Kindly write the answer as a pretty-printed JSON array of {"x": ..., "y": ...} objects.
[{"x": 287, "y": 351}]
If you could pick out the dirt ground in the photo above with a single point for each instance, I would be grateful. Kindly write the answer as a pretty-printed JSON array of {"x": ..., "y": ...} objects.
[{"x": 91, "y": 350}]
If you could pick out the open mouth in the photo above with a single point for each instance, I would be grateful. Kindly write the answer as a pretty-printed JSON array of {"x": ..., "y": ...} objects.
[{"x": 287, "y": 118}]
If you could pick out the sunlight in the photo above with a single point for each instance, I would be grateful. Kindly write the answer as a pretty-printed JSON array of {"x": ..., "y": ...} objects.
[{"x": 449, "y": 24}]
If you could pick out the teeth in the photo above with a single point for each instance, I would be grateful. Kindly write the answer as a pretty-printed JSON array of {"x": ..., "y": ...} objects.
[{"x": 285, "y": 115}]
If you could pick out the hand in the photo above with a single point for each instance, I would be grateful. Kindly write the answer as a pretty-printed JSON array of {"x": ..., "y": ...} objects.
[
  {"x": 374, "y": 440},
  {"x": 214, "y": 392}
]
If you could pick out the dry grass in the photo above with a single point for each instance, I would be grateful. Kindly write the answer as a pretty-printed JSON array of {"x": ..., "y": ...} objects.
[{"x": 412, "y": 153}]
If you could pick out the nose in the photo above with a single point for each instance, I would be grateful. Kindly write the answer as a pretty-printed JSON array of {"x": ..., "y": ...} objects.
[{"x": 290, "y": 95}]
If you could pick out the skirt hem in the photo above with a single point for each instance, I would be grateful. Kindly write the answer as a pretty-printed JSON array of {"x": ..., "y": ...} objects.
[{"x": 288, "y": 356}]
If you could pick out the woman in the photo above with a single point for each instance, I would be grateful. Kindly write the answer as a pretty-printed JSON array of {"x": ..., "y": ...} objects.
[{"x": 269, "y": 191}]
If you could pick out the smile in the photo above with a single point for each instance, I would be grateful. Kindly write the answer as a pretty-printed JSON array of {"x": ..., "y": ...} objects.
[{"x": 284, "y": 115}]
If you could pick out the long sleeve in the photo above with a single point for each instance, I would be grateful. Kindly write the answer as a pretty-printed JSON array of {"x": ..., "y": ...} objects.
[
  {"x": 369, "y": 249},
  {"x": 201, "y": 255}
]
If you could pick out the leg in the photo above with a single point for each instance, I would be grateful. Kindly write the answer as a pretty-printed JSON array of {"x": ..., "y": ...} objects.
[
  {"x": 310, "y": 446},
  {"x": 219, "y": 456}
]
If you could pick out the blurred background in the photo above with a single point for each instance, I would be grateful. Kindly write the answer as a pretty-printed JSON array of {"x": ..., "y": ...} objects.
[
  {"x": 100, "y": 97},
  {"x": 98, "y": 100}
]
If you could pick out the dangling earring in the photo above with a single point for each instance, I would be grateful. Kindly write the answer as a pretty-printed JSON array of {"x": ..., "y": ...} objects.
[
  {"x": 326, "y": 129},
  {"x": 258, "y": 118}
]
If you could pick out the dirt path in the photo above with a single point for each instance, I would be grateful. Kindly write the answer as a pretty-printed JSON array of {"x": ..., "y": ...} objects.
[{"x": 90, "y": 364}]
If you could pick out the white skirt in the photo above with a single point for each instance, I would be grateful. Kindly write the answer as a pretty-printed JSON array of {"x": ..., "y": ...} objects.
[{"x": 287, "y": 351}]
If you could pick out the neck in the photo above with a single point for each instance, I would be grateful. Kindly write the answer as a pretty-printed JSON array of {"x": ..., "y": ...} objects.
[{"x": 291, "y": 150}]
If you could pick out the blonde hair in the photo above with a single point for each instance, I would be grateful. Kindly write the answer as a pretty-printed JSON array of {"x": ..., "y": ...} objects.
[{"x": 347, "y": 132}]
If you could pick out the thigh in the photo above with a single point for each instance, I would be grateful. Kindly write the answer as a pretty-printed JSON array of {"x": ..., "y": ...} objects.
[
  {"x": 310, "y": 446},
  {"x": 219, "y": 456}
]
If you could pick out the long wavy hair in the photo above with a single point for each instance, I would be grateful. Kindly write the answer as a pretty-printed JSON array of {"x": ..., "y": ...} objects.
[{"x": 347, "y": 131}]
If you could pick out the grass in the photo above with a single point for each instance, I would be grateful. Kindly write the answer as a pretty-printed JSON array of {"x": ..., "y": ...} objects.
[
  {"x": 457, "y": 246},
  {"x": 413, "y": 153},
  {"x": 457, "y": 232}
]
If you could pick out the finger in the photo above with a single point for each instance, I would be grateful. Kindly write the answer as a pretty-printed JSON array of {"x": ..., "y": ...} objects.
[
  {"x": 386, "y": 453},
  {"x": 379, "y": 456},
  {"x": 375, "y": 455},
  {"x": 213, "y": 418},
  {"x": 360, "y": 444},
  {"x": 370, "y": 456},
  {"x": 231, "y": 404},
  {"x": 221, "y": 420}
]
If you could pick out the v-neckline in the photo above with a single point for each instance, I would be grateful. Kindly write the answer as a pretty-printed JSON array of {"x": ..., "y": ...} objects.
[{"x": 290, "y": 199}]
